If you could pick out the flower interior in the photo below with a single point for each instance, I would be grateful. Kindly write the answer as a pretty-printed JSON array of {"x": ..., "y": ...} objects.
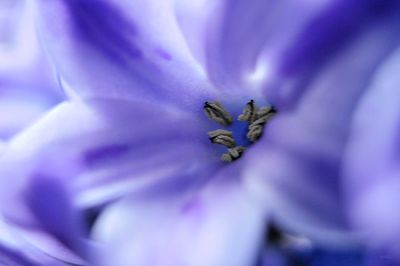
[{"x": 239, "y": 133}]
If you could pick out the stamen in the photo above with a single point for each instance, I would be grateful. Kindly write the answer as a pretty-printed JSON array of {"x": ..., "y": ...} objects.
[
  {"x": 255, "y": 132},
  {"x": 249, "y": 113},
  {"x": 233, "y": 154},
  {"x": 216, "y": 112},
  {"x": 223, "y": 137},
  {"x": 263, "y": 111},
  {"x": 256, "y": 128},
  {"x": 256, "y": 118}
]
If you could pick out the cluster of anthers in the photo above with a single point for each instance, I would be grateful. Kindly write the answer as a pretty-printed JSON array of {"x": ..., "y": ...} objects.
[{"x": 255, "y": 117}]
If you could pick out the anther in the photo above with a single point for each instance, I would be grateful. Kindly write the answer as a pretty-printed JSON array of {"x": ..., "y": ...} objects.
[
  {"x": 256, "y": 128},
  {"x": 263, "y": 111},
  {"x": 255, "y": 132},
  {"x": 262, "y": 119},
  {"x": 232, "y": 154},
  {"x": 218, "y": 132},
  {"x": 223, "y": 137},
  {"x": 255, "y": 117},
  {"x": 249, "y": 113},
  {"x": 216, "y": 112}
]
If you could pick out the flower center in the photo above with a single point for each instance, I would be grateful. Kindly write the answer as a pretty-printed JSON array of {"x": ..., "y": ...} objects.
[{"x": 256, "y": 119}]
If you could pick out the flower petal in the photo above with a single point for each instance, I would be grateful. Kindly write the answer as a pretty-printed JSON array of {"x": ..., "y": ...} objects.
[
  {"x": 33, "y": 246},
  {"x": 14, "y": 250},
  {"x": 27, "y": 85},
  {"x": 372, "y": 161},
  {"x": 217, "y": 225},
  {"x": 120, "y": 49},
  {"x": 42, "y": 216},
  {"x": 336, "y": 26},
  {"x": 299, "y": 161},
  {"x": 112, "y": 147},
  {"x": 51, "y": 206},
  {"x": 21, "y": 105},
  {"x": 273, "y": 45},
  {"x": 239, "y": 32},
  {"x": 19, "y": 47}
]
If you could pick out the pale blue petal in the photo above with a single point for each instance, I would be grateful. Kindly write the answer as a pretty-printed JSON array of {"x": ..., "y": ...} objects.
[
  {"x": 275, "y": 45},
  {"x": 335, "y": 27},
  {"x": 219, "y": 224},
  {"x": 15, "y": 250},
  {"x": 36, "y": 246},
  {"x": 372, "y": 162},
  {"x": 120, "y": 49},
  {"x": 109, "y": 147},
  {"x": 22, "y": 104},
  {"x": 298, "y": 164},
  {"x": 27, "y": 84},
  {"x": 51, "y": 205},
  {"x": 245, "y": 40}
]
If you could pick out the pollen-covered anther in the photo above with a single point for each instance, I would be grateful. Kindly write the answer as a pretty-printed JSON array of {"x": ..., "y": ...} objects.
[
  {"x": 223, "y": 137},
  {"x": 232, "y": 154},
  {"x": 255, "y": 132},
  {"x": 249, "y": 113},
  {"x": 264, "y": 111},
  {"x": 216, "y": 112},
  {"x": 256, "y": 119},
  {"x": 256, "y": 128}
]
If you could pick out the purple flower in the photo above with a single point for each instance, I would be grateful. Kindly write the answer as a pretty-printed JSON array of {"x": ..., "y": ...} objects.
[{"x": 141, "y": 74}]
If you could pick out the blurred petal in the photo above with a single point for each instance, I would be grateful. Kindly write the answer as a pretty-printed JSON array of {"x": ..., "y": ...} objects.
[
  {"x": 41, "y": 215},
  {"x": 48, "y": 247},
  {"x": 27, "y": 85},
  {"x": 274, "y": 257},
  {"x": 218, "y": 225},
  {"x": 275, "y": 45},
  {"x": 2, "y": 146},
  {"x": 333, "y": 257},
  {"x": 108, "y": 147},
  {"x": 238, "y": 32},
  {"x": 20, "y": 106},
  {"x": 14, "y": 250},
  {"x": 372, "y": 168},
  {"x": 335, "y": 27},
  {"x": 380, "y": 258},
  {"x": 51, "y": 205},
  {"x": 18, "y": 44},
  {"x": 102, "y": 50},
  {"x": 22, "y": 62},
  {"x": 297, "y": 165},
  {"x": 193, "y": 17}
]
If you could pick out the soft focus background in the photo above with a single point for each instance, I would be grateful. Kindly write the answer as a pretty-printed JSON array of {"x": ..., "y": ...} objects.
[{"x": 29, "y": 88}]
